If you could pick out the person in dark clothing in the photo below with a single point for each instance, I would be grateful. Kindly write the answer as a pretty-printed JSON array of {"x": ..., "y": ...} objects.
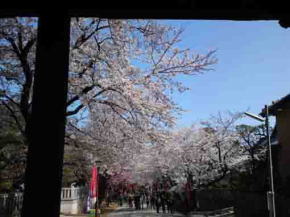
[
  {"x": 142, "y": 200},
  {"x": 130, "y": 200},
  {"x": 152, "y": 201},
  {"x": 147, "y": 201},
  {"x": 121, "y": 200},
  {"x": 194, "y": 201},
  {"x": 137, "y": 201},
  {"x": 163, "y": 201},
  {"x": 158, "y": 202},
  {"x": 169, "y": 202}
]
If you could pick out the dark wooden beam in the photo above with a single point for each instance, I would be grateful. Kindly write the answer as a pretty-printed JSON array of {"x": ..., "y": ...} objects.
[
  {"x": 47, "y": 128},
  {"x": 171, "y": 9},
  {"x": 177, "y": 13}
]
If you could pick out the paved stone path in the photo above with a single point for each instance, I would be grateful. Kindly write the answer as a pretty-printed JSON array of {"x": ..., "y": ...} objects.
[
  {"x": 131, "y": 212},
  {"x": 83, "y": 215}
]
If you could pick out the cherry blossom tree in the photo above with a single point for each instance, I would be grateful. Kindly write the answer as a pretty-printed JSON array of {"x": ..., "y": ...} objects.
[
  {"x": 121, "y": 72},
  {"x": 129, "y": 66},
  {"x": 204, "y": 153},
  {"x": 251, "y": 139},
  {"x": 225, "y": 150},
  {"x": 17, "y": 56},
  {"x": 121, "y": 75},
  {"x": 125, "y": 65}
]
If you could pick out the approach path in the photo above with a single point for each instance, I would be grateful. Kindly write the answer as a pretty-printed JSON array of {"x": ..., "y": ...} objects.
[{"x": 131, "y": 212}]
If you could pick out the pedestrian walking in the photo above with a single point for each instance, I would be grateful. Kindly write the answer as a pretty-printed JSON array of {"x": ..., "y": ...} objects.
[
  {"x": 120, "y": 199},
  {"x": 169, "y": 202},
  {"x": 158, "y": 202},
  {"x": 137, "y": 201},
  {"x": 147, "y": 200},
  {"x": 153, "y": 201},
  {"x": 142, "y": 200},
  {"x": 88, "y": 204},
  {"x": 130, "y": 200}
]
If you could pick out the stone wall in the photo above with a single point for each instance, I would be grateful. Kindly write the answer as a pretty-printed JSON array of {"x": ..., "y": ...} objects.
[
  {"x": 250, "y": 204},
  {"x": 214, "y": 199},
  {"x": 244, "y": 203}
]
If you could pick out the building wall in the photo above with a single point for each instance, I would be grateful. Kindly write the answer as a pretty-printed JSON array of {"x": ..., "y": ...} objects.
[
  {"x": 283, "y": 130},
  {"x": 282, "y": 189}
]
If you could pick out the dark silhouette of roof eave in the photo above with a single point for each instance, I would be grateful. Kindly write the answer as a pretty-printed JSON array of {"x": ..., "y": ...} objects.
[
  {"x": 158, "y": 13},
  {"x": 172, "y": 9},
  {"x": 276, "y": 106}
]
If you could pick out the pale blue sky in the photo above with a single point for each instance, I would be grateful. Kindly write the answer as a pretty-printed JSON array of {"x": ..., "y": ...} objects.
[{"x": 253, "y": 67}]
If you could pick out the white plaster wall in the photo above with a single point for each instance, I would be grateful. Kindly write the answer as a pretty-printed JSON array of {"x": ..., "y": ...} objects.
[{"x": 69, "y": 207}]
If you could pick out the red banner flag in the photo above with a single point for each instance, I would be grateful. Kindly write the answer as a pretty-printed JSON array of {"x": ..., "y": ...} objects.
[{"x": 94, "y": 183}]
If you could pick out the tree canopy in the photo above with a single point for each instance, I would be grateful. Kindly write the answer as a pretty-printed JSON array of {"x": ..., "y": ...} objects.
[{"x": 122, "y": 74}]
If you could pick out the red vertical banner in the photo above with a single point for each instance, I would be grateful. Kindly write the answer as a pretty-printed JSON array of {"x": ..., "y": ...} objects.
[{"x": 94, "y": 183}]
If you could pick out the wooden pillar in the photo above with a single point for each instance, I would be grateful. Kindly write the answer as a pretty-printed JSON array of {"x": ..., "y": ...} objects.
[{"x": 47, "y": 128}]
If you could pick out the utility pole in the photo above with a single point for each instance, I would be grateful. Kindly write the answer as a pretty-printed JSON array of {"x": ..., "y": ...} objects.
[{"x": 271, "y": 194}]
